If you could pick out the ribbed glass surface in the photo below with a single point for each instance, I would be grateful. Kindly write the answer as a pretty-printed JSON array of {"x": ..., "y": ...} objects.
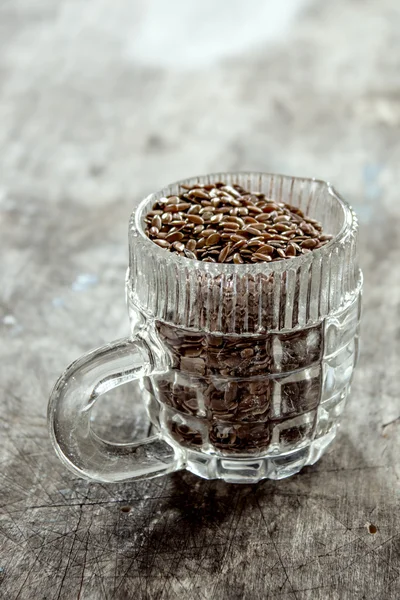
[{"x": 228, "y": 298}]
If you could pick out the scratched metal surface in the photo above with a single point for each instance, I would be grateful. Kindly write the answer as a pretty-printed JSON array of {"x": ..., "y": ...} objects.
[{"x": 100, "y": 104}]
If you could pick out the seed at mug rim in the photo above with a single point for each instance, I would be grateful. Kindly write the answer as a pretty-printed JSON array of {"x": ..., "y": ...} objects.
[
  {"x": 290, "y": 251},
  {"x": 224, "y": 253},
  {"x": 308, "y": 243},
  {"x": 261, "y": 257},
  {"x": 162, "y": 243},
  {"x": 178, "y": 246},
  {"x": 266, "y": 249},
  {"x": 154, "y": 231},
  {"x": 191, "y": 245},
  {"x": 156, "y": 222},
  {"x": 237, "y": 259},
  {"x": 189, "y": 254}
]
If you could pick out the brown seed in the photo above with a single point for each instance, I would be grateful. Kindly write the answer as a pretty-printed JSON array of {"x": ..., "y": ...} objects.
[
  {"x": 266, "y": 235},
  {"x": 231, "y": 191},
  {"x": 172, "y": 208},
  {"x": 261, "y": 257},
  {"x": 197, "y": 193},
  {"x": 190, "y": 254},
  {"x": 281, "y": 219},
  {"x": 255, "y": 242},
  {"x": 207, "y": 232},
  {"x": 325, "y": 238},
  {"x": 266, "y": 249},
  {"x": 281, "y": 252},
  {"x": 177, "y": 223},
  {"x": 216, "y": 218},
  {"x": 194, "y": 209},
  {"x": 259, "y": 226},
  {"x": 173, "y": 200},
  {"x": 249, "y": 220},
  {"x": 263, "y": 218},
  {"x": 276, "y": 244},
  {"x": 224, "y": 253},
  {"x": 212, "y": 239},
  {"x": 290, "y": 251},
  {"x": 154, "y": 231},
  {"x": 231, "y": 226},
  {"x": 281, "y": 227},
  {"x": 254, "y": 209},
  {"x": 198, "y": 229},
  {"x": 251, "y": 230},
  {"x": 191, "y": 245},
  {"x": 166, "y": 218},
  {"x": 162, "y": 243},
  {"x": 276, "y": 237},
  {"x": 178, "y": 246},
  {"x": 156, "y": 221},
  {"x": 238, "y": 245},
  {"x": 243, "y": 211},
  {"x": 200, "y": 243},
  {"x": 175, "y": 236},
  {"x": 195, "y": 219},
  {"x": 237, "y": 238},
  {"x": 271, "y": 207},
  {"x": 152, "y": 213},
  {"x": 310, "y": 243},
  {"x": 237, "y": 259},
  {"x": 207, "y": 215}
]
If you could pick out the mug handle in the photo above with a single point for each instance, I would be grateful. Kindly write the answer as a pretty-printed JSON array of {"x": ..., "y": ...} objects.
[{"x": 69, "y": 417}]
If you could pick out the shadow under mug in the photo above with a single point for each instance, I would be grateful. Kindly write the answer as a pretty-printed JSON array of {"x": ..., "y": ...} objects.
[{"x": 247, "y": 366}]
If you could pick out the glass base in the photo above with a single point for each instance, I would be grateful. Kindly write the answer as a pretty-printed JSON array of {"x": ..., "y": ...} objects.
[{"x": 251, "y": 470}]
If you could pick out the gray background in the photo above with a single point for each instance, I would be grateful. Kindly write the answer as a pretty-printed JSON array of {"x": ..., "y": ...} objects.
[{"x": 101, "y": 103}]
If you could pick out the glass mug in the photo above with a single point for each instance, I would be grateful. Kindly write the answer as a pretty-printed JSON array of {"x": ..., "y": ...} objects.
[{"x": 248, "y": 366}]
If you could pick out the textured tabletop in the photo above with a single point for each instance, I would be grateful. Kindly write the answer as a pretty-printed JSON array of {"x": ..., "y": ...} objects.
[{"x": 101, "y": 103}]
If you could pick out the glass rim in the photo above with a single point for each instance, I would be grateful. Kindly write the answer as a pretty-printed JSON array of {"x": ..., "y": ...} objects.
[{"x": 349, "y": 224}]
